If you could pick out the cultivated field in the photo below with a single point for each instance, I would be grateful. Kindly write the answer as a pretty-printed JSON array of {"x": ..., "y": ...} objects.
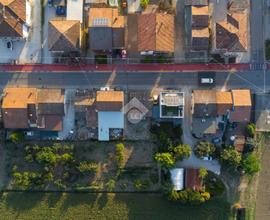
[{"x": 53, "y": 206}]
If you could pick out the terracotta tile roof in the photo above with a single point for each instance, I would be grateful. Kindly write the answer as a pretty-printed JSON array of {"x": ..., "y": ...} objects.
[
  {"x": 105, "y": 17},
  {"x": 200, "y": 32},
  {"x": 50, "y": 96},
  {"x": 20, "y": 104},
  {"x": 15, "y": 102},
  {"x": 12, "y": 17},
  {"x": 50, "y": 102},
  {"x": 224, "y": 102},
  {"x": 18, "y": 97},
  {"x": 204, "y": 96},
  {"x": 156, "y": 32},
  {"x": 109, "y": 100},
  {"x": 64, "y": 35},
  {"x": 192, "y": 179},
  {"x": 50, "y": 122},
  {"x": 200, "y": 10},
  {"x": 224, "y": 97},
  {"x": 106, "y": 29},
  {"x": 241, "y": 97},
  {"x": 232, "y": 34},
  {"x": 242, "y": 106}
]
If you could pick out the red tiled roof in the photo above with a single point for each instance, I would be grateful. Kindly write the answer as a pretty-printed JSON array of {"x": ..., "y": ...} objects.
[{"x": 193, "y": 180}]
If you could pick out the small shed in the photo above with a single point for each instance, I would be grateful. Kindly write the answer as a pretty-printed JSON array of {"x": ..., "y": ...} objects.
[{"x": 177, "y": 178}]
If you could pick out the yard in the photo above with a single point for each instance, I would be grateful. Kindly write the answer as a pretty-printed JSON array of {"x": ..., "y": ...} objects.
[
  {"x": 105, "y": 206},
  {"x": 82, "y": 166}
]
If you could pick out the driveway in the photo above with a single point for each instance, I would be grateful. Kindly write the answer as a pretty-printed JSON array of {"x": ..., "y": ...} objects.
[
  {"x": 179, "y": 48},
  {"x": 69, "y": 118},
  {"x": 193, "y": 161},
  {"x": 49, "y": 13},
  {"x": 25, "y": 51}
]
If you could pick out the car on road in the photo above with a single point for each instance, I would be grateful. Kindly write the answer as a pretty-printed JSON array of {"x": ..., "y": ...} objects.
[{"x": 206, "y": 78}]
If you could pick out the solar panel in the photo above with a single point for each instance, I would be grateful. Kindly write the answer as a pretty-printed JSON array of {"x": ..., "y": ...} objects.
[{"x": 100, "y": 22}]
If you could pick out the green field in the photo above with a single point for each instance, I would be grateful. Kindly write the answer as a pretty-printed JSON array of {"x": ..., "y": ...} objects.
[{"x": 58, "y": 206}]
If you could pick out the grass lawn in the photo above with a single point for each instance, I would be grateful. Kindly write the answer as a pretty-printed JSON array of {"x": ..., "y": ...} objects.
[{"x": 52, "y": 206}]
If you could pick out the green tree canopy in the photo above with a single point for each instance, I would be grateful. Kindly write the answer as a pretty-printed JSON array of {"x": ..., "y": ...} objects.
[
  {"x": 17, "y": 137},
  {"x": 203, "y": 173},
  {"x": 251, "y": 164},
  {"x": 231, "y": 157},
  {"x": 181, "y": 152},
  {"x": 204, "y": 148},
  {"x": 251, "y": 129},
  {"x": 165, "y": 159}
]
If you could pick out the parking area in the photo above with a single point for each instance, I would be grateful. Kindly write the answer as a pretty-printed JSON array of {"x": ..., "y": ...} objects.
[{"x": 25, "y": 50}]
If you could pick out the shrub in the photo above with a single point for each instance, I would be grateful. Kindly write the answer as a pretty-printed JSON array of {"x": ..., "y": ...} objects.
[
  {"x": 251, "y": 164},
  {"x": 119, "y": 155},
  {"x": 189, "y": 196},
  {"x": 182, "y": 151},
  {"x": 141, "y": 184},
  {"x": 66, "y": 157},
  {"x": 87, "y": 167},
  {"x": 29, "y": 158},
  {"x": 144, "y": 3},
  {"x": 17, "y": 137},
  {"x": 111, "y": 184},
  {"x": 231, "y": 157},
  {"x": 47, "y": 156},
  {"x": 165, "y": 159},
  {"x": 59, "y": 184},
  {"x": 203, "y": 173},
  {"x": 251, "y": 129},
  {"x": 204, "y": 148},
  {"x": 25, "y": 180}
]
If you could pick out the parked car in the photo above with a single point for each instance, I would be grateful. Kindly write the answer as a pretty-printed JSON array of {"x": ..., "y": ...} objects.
[
  {"x": 61, "y": 10},
  {"x": 29, "y": 133},
  {"x": 50, "y": 3},
  {"x": 216, "y": 140},
  {"x": 207, "y": 158},
  {"x": 10, "y": 45}
]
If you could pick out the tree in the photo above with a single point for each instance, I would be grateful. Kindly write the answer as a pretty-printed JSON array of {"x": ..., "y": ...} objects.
[
  {"x": 182, "y": 151},
  {"x": 203, "y": 173},
  {"x": 17, "y": 137},
  {"x": 119, "y": 155},
  {"x": 204, "y": 148},
  {"x": 144, "y": 3},
  {"x": 165, "y": 159},
  {"x": 231, "y": 157},
  {"x": 251, "y": 164},
  {"x": 251, "y": 129}
]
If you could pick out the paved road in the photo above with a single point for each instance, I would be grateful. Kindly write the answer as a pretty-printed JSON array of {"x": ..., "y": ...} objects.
[
  {"x": 257, "y": 31},
  {"x": 133, "y": 80}
]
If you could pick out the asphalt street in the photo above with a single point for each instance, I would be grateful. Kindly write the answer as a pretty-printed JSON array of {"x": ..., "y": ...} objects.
[{"x": 255, "y": 80}]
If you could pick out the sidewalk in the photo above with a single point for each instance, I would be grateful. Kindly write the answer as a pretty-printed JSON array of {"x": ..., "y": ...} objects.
[{"x": 124, "y": 67}]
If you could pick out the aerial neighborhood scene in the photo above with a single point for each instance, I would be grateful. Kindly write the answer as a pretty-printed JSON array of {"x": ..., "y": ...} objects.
[{"x": 135, "y": 109}]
